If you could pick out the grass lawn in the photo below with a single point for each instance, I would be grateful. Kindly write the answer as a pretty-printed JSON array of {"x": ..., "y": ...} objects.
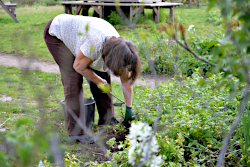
[
  {"x": 37, "y": 95},
  {"x": 26, "y": 38}
]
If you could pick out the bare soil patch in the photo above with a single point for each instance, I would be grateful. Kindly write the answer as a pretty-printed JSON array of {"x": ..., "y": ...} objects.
[{"x": 52, "y": 67}]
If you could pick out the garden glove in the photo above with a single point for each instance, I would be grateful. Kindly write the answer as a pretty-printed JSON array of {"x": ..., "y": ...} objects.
[
  {"x": 129, "y": 116},
  {"x": 104, "y": 87}
]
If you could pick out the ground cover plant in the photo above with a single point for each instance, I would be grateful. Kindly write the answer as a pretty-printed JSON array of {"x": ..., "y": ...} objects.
[{"x": 189, "y": 121}]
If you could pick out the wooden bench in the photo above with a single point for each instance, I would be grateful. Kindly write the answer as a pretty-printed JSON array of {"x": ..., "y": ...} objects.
[
  {"x": 191, "y": 2},
  {"x": 10, "y": 8},
  {"x": 134, "y": 7}
]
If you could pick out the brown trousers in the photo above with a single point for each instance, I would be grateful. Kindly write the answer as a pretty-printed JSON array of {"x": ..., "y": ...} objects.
[{"x": 72, "y": 83}]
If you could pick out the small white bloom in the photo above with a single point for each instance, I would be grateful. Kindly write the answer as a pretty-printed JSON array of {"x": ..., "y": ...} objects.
[
  {"x": 190, "y": 27},
  {"x": 143, "y": 145}
]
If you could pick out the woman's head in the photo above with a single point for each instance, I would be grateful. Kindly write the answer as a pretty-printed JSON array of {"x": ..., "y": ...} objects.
[{"x": 121, "y": 56}]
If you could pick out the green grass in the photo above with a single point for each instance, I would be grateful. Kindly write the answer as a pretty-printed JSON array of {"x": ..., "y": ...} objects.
[
  {"x": 31, "y": 89},
  {"x": 36, "y": 95},
  {"x": 26, "y": 38}
]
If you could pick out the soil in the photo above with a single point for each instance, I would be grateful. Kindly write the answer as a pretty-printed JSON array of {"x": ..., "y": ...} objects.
[
  {"x": 52, "y": 67},
  {"x": 97, "y": 151}
]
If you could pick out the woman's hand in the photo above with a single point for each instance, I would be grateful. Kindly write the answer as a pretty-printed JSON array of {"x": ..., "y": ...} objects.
[
  {"x": 81, "y": 66},
  {"x": 104, "y": 87}
]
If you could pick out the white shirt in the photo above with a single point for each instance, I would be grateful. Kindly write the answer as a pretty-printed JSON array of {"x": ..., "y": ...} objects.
[{"x": 83, "y": 33}]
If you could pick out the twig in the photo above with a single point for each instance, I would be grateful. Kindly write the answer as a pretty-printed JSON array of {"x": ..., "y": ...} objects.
[
  {"x": 192, "y": 147},
  {"x": 193, "y": 53},
  {"x": 236, "y": 121},
  {"x": 99, "y": 154},
  {"x": 5, "y": 121}
]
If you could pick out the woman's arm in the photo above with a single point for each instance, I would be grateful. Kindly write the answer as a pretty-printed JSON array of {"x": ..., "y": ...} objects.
[
  {"x": 80, "y": 65},
  {"x": 127, "y": 89}
]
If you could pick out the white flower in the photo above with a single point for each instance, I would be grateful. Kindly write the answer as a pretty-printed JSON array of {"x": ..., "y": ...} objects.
[
  {"x": 143, "y": 145},
  {"x": 191, "y": 27}
]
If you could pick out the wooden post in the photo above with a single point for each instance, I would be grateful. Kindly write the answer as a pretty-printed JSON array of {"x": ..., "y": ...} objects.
[
  {"x": 67, "y": 8},
  {"x": 13, "y": 10},
  {"x": 7, "y": 10},
  {"x": 172, "y": 13},
  {"x": 78, "y": 9},
  {"x": 101, "y": 11},
  {"x": 131, "y": 14},
  {"x": 156, "y": 13}
]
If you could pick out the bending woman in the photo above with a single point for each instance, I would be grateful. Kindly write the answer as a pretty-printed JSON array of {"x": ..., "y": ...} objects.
[{"x": 90, "y": 47}]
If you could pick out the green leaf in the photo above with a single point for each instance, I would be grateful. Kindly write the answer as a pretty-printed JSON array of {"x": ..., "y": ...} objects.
[
  {"x": 80, "y": 34},
  {"x": 248, "y": 49},
  {"x": 24, "y": 121},
  {"x": 108, "y": 152},
  {"x": 87, "y": 27},
  {"x": 211, "y": 4},
  {"x": 241, "y": 75}
]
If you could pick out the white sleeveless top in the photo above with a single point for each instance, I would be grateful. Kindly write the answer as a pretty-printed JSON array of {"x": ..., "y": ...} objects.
[{"x": 83, "y": 33}]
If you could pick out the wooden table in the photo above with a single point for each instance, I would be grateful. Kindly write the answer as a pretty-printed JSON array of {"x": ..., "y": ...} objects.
[
  {"x": 10, "y": 8},
  {"x": 134, "y": 6}
]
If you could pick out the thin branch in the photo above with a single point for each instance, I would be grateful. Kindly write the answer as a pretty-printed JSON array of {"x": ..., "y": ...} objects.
[
  {"x": 233, "y": 127},
  {"x": 5, "y": 121},
  {"x": 192, "y": 147},
  {"x": 193, "y": 53}
]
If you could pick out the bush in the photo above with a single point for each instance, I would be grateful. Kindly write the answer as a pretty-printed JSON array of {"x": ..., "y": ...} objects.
[
  {"x": 214, "y": 17},
  {"x": 171, "y": 59},
  {"x": 114, "y": 18}
]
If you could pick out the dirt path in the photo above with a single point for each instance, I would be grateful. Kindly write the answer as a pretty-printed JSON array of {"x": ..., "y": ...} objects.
[{"x": 50, "y": 67}]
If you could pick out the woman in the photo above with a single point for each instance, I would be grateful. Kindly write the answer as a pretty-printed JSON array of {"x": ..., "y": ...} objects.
[{"x": 90, "y": 47}]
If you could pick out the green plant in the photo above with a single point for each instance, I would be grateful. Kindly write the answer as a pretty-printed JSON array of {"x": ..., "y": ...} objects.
[
  {"x": 71, "y": 160},
  {"x": 114, "y": 18},
  {"x": 214, "y": 17},
  {"x": 245, "y": 139},
  {"x": 21, "y": 145}
]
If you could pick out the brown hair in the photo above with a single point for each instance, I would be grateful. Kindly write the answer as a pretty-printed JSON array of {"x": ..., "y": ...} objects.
[{"x": 121, "y": 56}]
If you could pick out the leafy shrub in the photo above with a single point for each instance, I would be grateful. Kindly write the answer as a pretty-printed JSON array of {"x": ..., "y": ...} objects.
[
  {"x": 169, "y": 59},
  {"x": 214, "y": 17},
  {"x": 194, "y": 118},
  {"x": 114, "y": 18}
]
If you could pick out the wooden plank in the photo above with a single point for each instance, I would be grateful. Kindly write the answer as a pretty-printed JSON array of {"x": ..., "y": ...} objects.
[
  {"x": 7, "y": 10},
  {"x": 126, "y": 1},
  {"x": 155, "y": 6},
  {"x": 121, "y": 4}
]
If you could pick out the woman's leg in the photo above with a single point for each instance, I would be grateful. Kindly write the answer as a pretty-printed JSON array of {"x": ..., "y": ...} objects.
[
  {"x": 71, "y": 80},
  {"x": 104, "y": 102}
]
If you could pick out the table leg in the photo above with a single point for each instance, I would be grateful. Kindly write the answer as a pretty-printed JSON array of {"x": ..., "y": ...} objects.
[
  {"x": 78, "y": 9},
  {"x": 13, "y": 10},
  {"x": 131, "y": 14},
  {"x": 67, "y": 9},
  {"x": 156, "y": 13},
  {"x": 172, "y": 13},
  {"x": 101, "y": 11}
]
